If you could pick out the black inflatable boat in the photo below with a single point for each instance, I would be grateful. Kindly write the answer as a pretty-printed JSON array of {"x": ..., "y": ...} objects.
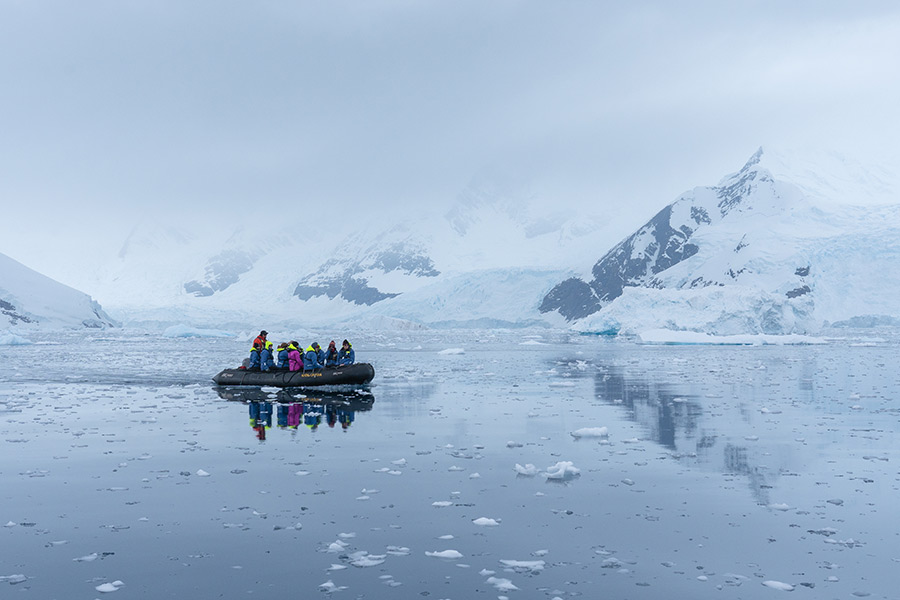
[{"x": 355, "y": 374}]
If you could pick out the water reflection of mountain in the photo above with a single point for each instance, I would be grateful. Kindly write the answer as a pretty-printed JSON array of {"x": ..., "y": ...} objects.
[
  {"x": 705, "y": 431},
  {"x": 293, "y": 411}
]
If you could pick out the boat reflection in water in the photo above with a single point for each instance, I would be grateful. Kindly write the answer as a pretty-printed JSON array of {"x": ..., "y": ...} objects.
[{"x": 290, "y": 410}]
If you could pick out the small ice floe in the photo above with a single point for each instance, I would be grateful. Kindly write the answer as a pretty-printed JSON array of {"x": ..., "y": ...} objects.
[
  {"x": 486, "y": 522},
  {"x": 835, "y": 501},
  {"x": 399, "y": 462},
  {"x": 562, "y": 471},
  {"x": 336, "y": 546},
  {"x": 301, "y": 473},
  {"x": 13, "y": 579},
  {"x": 202, "y": 473},
  {"x": 631, "y": 441},
  {"x": 474, "y": 475},
  {"x": 452, "y": 351},
  {"x": 451, "y": 554},
  {"x": 364, "y": 559},
  {"x": 751, "y": 438},
  {"x": 10, "y": 524},
  {"x": 87, "y": 558},
  {"x": 455, "y": 468},
  {"x": 524, "y": 565},
  {"x": 336, "y": 567},
  {"x": 590, "y": 432},
  {"x": 529, "y": 470},
  {"x": 347, "y": 536},
  {"x": 109, "y": 587},
  {"x": 779, "y": 506},
  {"x": 442, "y": 503},
  {"x": 778, "y": 585},
  {"x": 512, "y": 444},
  {"x": 363, "y": 498},
  {"x": 329, "y": 587},
  {"x": 627, "y": 481},
  {"x": 397, "y": 550},
  {"x": 502, "y": 585},
  {"x": 57, "y": 543}
]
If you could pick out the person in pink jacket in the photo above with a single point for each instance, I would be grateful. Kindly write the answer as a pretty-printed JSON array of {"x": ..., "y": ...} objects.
[{"x": 295, "y": 359}]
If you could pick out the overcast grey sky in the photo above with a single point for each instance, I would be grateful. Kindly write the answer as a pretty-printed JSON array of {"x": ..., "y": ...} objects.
[{"x": 108, "y": 108}]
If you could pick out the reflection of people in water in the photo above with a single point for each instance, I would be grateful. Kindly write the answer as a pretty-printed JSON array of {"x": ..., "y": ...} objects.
[
  {"x": 312, "y": 415},
  {"x": 345, "y": 416},
  {"x": 260, "y": 417}
]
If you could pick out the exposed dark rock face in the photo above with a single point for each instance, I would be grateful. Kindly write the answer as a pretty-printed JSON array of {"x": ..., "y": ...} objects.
[
  {"x": 222, "y": 271},
  {"x": 345, "y": 278},
  {"x": 9, "y": 310}
]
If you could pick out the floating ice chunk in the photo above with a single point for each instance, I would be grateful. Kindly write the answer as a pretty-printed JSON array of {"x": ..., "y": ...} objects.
[
  {"x": 474, "y": 475},
  {"x": 527, "y": 565},
  {"x": 337, "y": 546},
  {"x": 87, "y": 558},
  {"x": 109, "y": 587},
  {"x": 442, "y": 503},
  {"x": 529, "y": 470},
  {"x": 446, "y": 537},
  {"x": 336, "y": 567},
  {"x": 511, "y": 444},
  {"x": 453, "y": 554},
  {"x": 450, "y": 351},
  {"x": 398, "y": 550},
  {"x": 486, "y": 572},
  {"x": 301, "y": 473},
  {"x": 562, "y": 384},
  {"x": 202, "y": 473},
  {"x": 562, "y": 470},
  {"x": 486, "y": 522},
  {"x": 347, "y": 536},
  {"x": 11, "y": 339},
  {"x": 361, "y": 498},
  {"x": 13, "y": 579},
  {"x": 364, "y": 559},
  {"x": 502, "y": 585},
  {"x": 590, "y": 432},
  {"x": 10, "y": 524},
  {"x": 631, "y": 441},
  {"x": 399, "y": 462},
  {"x": 779, "y": 506},
  {"x": 329, "y": 586},
  {"x": 778, "y": 585},
  {"x": 455, "y": 468}
]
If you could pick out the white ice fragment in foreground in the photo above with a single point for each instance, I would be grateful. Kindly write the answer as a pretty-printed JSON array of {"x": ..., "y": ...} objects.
[
  {"x": 202, "y": 473},
  {"x": 455, "y": 468},
  {"x": 485, "y": 522},
  {"x": 109, "y": 587},
  {"x": 530, "y": 565},
  {"x": 10, "y": 524},
  {"x": 442, "y": 503},
  {"x": 347, "y": 536},
  {"x": 445, "y": 554},
  {"x": 778, "y": 585},
  {"x": 336, "y": 567},
  {"x": 364, "y": 559},
  {"x": 529, "y": 470},
  {"x": 329, "y": 586},
  {"x": 13, "y": 579},
  {"x": 450, "y": 351},
  {"x": 336, "y": 546},
  {"x": 590, "y": 432},
  {"x": 301, "y": 473},
  {"x": 780, "y": 506},
  {"x": 563, "y": 470},
  {"x": 502, "y": 585},
  {"x": 87, "y": 558},
  {"x": 474, "y": 475},
  {"x": 446, "y": 537},
  {"x": 399, "y": 462}
]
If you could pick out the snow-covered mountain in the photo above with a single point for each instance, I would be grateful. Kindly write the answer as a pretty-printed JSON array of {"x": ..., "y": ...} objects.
[
  {"x": 781, "y": 246},
  {"x": 487, "y": 259},
  {"x": 30, "y": 299}
]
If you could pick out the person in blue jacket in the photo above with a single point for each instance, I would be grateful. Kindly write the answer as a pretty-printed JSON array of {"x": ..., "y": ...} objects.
[
  {"x": 281, "y": 356},
  {"x": 314, "y": 357},
  {"x": 265, "y": 357},
  {"x": 346, "y": 356},
  {"x": 331, "y": 355}
]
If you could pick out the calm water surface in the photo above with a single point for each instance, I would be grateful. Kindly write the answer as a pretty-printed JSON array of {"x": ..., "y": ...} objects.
[{"x": 725, "y": 472}]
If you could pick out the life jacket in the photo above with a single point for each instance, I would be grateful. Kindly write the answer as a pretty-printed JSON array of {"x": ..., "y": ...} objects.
[{"x": 259, "y": 343}]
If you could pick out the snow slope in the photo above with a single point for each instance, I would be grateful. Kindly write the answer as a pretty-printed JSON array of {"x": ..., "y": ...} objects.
[
  {"x": 758, "y": 253},
  {"x": 29, "y": 299}
]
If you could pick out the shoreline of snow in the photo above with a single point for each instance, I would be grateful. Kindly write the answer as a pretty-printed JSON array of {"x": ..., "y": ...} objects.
[{"x": 693, "y": 338}]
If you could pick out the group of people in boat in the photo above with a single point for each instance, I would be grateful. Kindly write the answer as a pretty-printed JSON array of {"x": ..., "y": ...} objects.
[{"x": 288, "y": 356}]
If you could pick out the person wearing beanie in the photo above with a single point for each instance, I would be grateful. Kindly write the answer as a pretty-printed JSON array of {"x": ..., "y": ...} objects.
[{"x": 346, "y": 356}]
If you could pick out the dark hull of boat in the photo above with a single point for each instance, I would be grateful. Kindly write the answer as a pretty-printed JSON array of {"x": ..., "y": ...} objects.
[{"x": 355, "y": 374}]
